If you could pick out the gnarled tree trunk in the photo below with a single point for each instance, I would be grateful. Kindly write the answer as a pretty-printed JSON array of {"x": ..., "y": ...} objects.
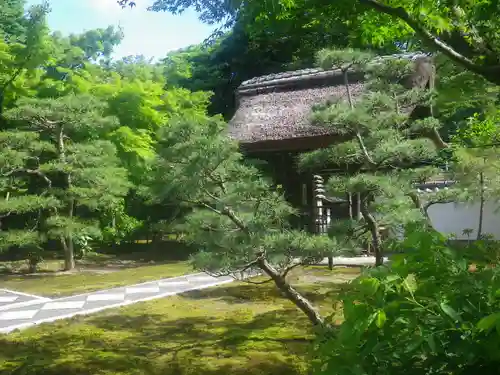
[
  {"x": 375, "y": 232},
  {"x": 293, "y": 295}
]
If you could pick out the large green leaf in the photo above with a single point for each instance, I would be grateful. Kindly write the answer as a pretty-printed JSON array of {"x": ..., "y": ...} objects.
[{"x": 488, "y": 322}]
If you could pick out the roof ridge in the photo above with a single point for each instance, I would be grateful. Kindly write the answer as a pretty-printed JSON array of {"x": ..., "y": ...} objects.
[
  {"x": 292, "y": 76},
  {"x": 285, "y": 74}
]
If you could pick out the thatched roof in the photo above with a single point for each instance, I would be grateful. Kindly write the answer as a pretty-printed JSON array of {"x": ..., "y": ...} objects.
[{"x": 278, "y": 106}]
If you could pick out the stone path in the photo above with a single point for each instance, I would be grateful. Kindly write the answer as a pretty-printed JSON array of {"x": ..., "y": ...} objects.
[
  {"x": 32, "y": 310},
  {"x": 20, "y": 310},
  {"x": 353, "y": 261},
  {"x": 10, "y": 299}
]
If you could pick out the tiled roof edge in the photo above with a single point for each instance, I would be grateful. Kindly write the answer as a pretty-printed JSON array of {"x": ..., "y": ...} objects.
[{"x": 304, "y": 74}]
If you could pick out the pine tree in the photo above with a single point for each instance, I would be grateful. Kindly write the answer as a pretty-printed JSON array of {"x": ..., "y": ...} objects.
[
  {"x": 82, "y": 167},
  {"x": 238, "y": 220},
  {"x": 24, "y": 193},
  {"x": 476, "y": 161},
  {"x": 385, "y": 150}
]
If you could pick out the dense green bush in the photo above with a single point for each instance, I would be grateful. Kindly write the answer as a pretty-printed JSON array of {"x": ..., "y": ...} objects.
[{"x": 428, "y": 312}]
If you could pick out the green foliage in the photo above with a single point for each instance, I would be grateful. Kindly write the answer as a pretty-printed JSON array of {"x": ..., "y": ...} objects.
[
  {"x": 78, "y": 129},
  {"x": 476, "y": 156},
  {"x": 384, "y": 150},
  {"x": 97, "y": 43},
  {"x": 426, "y": 313},
  {"x": 12, "y": 25},
  {"x": 20, "y": 152},
  {"x": 455, "y": 103},
  {"x": 118, "y": 225},
  {"x": 480, "y": 130},
  {"x": 19, "y": 238},
  {"x": 234, "y": 328},
  {"x": 343, "y": 59},
  {"x": 81, "y": 171},
  {"x": 466, "y": 32},
  {"x": 20, "y": 60},
  {"x": 237, "y": 217},
  {"x": 254, "y": 46}
]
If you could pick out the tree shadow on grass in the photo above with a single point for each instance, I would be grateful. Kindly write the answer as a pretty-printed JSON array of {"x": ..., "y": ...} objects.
[
  {"x": 152, "y": 344},
  {"x": 244, "y": 293}
]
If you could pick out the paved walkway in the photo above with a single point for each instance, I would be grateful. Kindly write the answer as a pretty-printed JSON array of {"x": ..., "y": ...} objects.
[
  {"x": 10, "y": 299},
  {"x": 353, "y": 261},
  {"x": 20, "y": 310},
  {"x": 32, "y": 310}
]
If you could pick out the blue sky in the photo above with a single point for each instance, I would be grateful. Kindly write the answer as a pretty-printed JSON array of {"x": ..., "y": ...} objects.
[{"x": 146, "y": 33}]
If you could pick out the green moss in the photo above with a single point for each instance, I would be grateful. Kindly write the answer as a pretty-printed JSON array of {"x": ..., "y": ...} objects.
[
  {"x": 236, "y": 329},
  {"x": 57, "y": 285}
]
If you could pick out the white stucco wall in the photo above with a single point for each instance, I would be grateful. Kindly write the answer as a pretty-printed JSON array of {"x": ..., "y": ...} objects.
[{"x": 453, "y": 218}]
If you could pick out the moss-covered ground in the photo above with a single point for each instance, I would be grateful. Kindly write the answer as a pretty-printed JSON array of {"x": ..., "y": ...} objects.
[{"x": 237, "y": 329}]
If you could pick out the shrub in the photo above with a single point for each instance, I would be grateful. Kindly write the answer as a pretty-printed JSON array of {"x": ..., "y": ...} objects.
[{"x": 426, "y": 313}]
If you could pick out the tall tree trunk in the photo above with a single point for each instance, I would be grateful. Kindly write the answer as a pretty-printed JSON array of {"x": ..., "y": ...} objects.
[
  {"x": 300, "y": 301},
  {"x": 68, "y": 244},
  {"x": 350, "y": 208},
  {"x": 34, "y": 258},
  {"x": 481, "y": 207},
  {"x": 330, "y": 263},
  {"x": 375, "y": 232},
  {"x": 70, "y": 253},
  {"x": 69, "y": 257}
]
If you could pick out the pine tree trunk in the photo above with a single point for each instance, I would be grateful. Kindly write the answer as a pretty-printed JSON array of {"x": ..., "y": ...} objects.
[
  {"x": 330, "y": 263},
  {"x": 69, "y": 256},
  {"x": 350, "y": 208},
  {"x": 481, "y": 207},
  {"x": 68, "y": 245},
  {"x": 70, "y": 253},
  {"x": 33, "y": 261},
  {"x": 302, "y": 303},
  {"x": 375, "y": 232},
  {"x": 32, "y": 265}
]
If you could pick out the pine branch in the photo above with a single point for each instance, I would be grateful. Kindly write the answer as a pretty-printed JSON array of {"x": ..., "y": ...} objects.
[
  {"x": 289, "y": 268},
  {"x": 438, "y": 141},
  {"x": 403, "y": 15},
  {"x": 443, "y": 201},
  {"x": 218, "y": 181},
  {"x": 253, "y": 263},
  {"x": 7, "y": 196},
  {"x": 362, "y": 146},
  {"x": 248, "y": 281},
  {"x": 203, "y": 205},
  {"x": 227, "y": 211},
  {"x": 360, "y": 231},
  {"x": 348, "y": 88},
  {"x": 364, "y": 150},
  {"x": 372, "y": 224},
  {"x": 35, "y": 172}
]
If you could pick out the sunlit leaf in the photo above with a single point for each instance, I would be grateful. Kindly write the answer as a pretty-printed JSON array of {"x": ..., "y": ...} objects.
[
  {"x": 488, "y": 322},
  {"x": 448, "y": 310},
  {"x": 381, "y": 318}
]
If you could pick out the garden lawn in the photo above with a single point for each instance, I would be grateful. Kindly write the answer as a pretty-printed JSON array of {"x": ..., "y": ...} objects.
[
  {"x": 56, "y": 284},
  {"x": 237, "y": 329}
]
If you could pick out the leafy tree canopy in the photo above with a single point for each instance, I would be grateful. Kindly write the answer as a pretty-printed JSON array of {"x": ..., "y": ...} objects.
[
  {"x": 12, "y": 22},
  {"x": 467, "y": 32}
]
